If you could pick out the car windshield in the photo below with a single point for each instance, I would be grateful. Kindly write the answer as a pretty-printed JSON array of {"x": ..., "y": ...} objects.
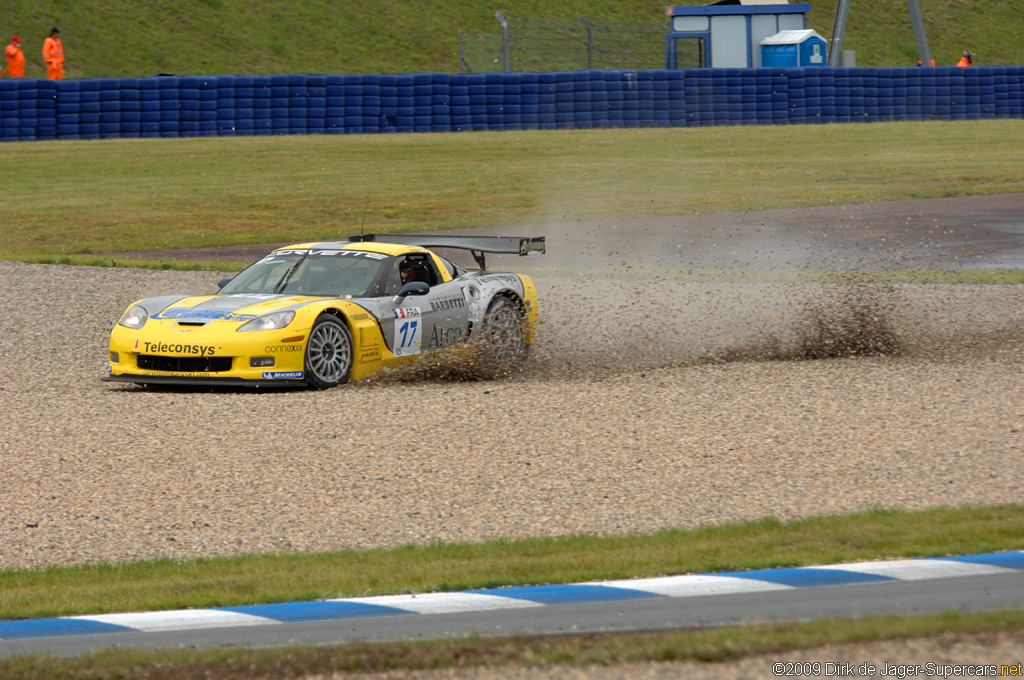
[{"x": 332, "y": 273}]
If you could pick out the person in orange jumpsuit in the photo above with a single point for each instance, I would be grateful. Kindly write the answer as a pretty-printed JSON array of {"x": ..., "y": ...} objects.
[
  {"x": 15, "y": 59},
  {"x": 967, "y": 59},
  {"x": 53, "y": 55}
]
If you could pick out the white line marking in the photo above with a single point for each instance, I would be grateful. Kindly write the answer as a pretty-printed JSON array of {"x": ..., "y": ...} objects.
[
  {"x": 918, "y": 570},
  {"x": 443, "y": 603},
  {"x": 181, "y": 619},
  {"x": 692, "y": 585}
]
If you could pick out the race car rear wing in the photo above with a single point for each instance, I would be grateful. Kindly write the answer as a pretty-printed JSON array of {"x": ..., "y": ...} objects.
[{"x": 478, "y": 245}]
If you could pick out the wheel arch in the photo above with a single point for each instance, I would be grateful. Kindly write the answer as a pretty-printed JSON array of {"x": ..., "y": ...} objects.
[
  {"x": 476, "y": 319},
  {"x": 367, "y": 339},
  {"x": 341, "y": 316},
  {"x": 526, "y": 303},
  {"x": 511, "y": 295}
]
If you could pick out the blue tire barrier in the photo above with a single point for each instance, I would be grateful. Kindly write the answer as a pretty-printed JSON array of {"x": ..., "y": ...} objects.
[{"x": 433, "y": 102}]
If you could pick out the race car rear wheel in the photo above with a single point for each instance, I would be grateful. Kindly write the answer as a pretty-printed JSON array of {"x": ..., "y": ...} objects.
[
  {"x": 504, "y": 333},
  {"x": 328, "y": 353}
]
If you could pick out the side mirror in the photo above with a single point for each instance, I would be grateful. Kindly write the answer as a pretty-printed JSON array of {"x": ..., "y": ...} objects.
[
  {"x": 412, "y": 288},
  {"x": 222, "y": 283}
]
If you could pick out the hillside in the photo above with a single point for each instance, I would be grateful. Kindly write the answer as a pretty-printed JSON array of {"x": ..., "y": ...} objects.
[{"x": 143, "y": 37}]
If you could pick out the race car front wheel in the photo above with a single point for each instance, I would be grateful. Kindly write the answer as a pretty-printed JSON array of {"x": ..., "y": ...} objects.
[
  {"x": 328, "y": 353},
  {"x": 504, "y": 333}
]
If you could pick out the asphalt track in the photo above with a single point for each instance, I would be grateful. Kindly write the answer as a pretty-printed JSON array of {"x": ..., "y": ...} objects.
[
  {"x": 985, "y": 582},
  {"x": 980, "y": 233}
]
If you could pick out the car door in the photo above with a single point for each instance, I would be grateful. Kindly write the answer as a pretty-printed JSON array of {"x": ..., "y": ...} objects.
[{"x": 419, "y": 324}]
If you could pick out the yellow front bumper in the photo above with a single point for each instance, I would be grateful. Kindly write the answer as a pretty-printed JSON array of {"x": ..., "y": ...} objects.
[{"x": 163, "y": 353}]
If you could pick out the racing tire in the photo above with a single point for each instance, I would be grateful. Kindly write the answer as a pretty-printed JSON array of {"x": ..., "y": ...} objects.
[
  {"x": 329, "y": 353},
  {"x": 504, "y": 334}
]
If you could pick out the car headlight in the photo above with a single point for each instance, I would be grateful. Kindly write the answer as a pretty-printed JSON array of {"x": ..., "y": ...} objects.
[
  {"x": 134, "y": 318},
  {"x": 269, "y": 322}
]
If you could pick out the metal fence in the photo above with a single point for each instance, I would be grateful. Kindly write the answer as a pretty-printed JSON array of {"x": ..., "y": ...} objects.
[
  {"x": 481, "y": 53},
  {"x": 532, "y": 46}
]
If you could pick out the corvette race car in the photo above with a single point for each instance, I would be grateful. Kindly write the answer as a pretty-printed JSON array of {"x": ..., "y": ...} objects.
[{"x": 321, "y": 314}]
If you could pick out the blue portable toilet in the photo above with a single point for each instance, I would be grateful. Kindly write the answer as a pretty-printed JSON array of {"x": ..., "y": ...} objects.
[
  {"x": 726, "y": 33},
  {"x": 794, "y": 49}
]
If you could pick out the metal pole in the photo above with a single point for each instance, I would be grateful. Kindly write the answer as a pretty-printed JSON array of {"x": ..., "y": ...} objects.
[
  {"x": 590, "y": 42},
  {"x": 917, "y": 21},
  {"x": 835, "y": 49},
  {"x": 505, "y": 41}
]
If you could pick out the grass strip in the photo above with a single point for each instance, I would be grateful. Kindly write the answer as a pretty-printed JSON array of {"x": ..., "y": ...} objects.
[
  {"x": 255, "y": 579},
  {"x": 151, "y": 194},
  {"x": 140, "y": 263},
  {"x": 708, "y": 645}
]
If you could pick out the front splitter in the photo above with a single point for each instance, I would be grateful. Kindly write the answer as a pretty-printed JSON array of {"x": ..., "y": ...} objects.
[{"x": 204, "y": 382}]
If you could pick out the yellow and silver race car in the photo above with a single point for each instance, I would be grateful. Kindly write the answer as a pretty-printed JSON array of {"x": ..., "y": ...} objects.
[{"x": 321, "y": 314}]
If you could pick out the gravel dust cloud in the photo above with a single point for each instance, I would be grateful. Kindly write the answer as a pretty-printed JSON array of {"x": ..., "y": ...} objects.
[{"x": 628, "y": 295}]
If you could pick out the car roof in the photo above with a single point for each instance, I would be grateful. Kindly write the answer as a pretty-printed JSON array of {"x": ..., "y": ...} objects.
[{"x": 368, "y": 246}]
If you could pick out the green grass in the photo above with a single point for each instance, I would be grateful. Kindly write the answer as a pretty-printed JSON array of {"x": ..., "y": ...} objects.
[
  {"x": 122, "y": 195},
  {"x": 121, "y": 38},
  {"x": 147, "y": 263},
  {"x": 768, "y": 543}
]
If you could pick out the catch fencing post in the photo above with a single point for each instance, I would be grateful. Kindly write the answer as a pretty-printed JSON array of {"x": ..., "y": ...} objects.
[
  {"x": 505, "y": 41},
  {"x": 590, "y": 42}
]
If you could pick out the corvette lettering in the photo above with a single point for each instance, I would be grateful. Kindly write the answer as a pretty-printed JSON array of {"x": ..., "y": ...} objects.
[
  {"x": 165, "y": 347},
  {"x": 177, "y": 374},
  {"x": 326, "y": 253},
  {"x": 350, "y": 253}
]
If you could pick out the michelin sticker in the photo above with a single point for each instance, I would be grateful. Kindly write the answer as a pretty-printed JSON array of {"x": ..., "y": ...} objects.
[
  {"x": 282, "y": 375},
  {"x": 408, "y": 331}
]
